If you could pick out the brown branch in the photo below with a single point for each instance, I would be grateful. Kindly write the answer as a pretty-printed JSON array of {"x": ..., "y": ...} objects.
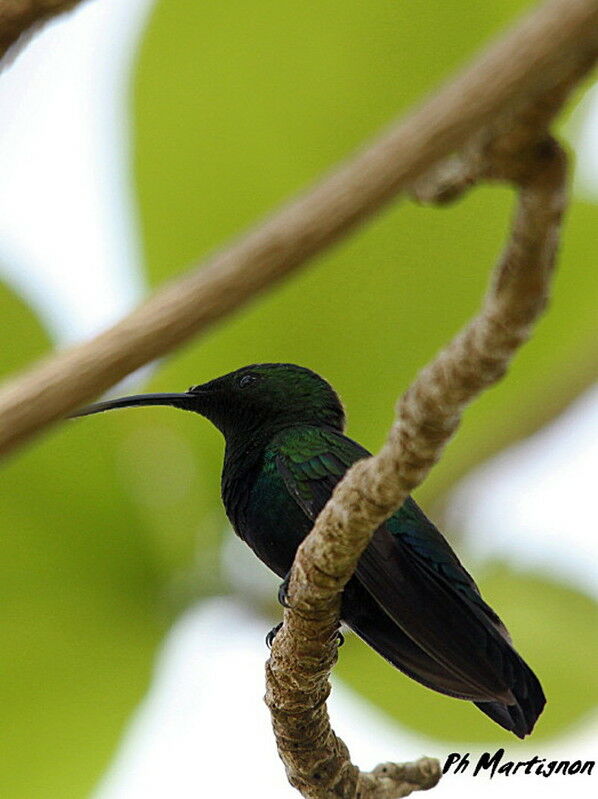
[
  {"x": 553, "y": 40},
  {"x": 19, "y": 17},
  {"x": 503, "y": 149},
  {"x": 304, "y": 651},
  {"x": 496, "y": 114}
]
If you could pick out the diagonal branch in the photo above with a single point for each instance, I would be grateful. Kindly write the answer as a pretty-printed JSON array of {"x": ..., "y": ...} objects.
[
  {"x": 556, "y": 40},
  {"x": 496, "y": 116},
  {"x": 304, "y": 651}
]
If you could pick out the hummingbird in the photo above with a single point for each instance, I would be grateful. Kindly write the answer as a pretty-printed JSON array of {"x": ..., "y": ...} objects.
[{"x": 410, "y": 598}]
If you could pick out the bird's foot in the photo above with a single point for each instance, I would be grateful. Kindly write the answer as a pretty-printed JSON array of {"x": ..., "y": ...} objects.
[
  {"x": 272, "y": 635},
  {"x": 283, "y": 591},
  {"x": 340, "y": 639}
]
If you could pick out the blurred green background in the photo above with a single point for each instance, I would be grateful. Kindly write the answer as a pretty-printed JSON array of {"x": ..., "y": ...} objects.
[{"x": 113, "y": 525}]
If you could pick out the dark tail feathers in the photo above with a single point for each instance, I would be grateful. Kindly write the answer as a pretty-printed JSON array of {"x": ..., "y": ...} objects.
[
  {"x": 370, "y": 622},
  {"x": 521, "y": 717}
]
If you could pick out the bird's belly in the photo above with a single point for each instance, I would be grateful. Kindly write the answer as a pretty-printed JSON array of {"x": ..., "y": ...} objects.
[{"x": 274, "y": 524}]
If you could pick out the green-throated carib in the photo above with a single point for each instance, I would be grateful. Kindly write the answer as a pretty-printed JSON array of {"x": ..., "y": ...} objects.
[{"x": 410, "y": 598}]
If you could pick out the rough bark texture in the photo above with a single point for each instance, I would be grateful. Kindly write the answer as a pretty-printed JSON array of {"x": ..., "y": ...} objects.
[
  {"x": 489, "y": 123},
  {"x": 517, "y": 148},
  {"x": 304, "y": 650},
  {"x": 556, "y": 41}
]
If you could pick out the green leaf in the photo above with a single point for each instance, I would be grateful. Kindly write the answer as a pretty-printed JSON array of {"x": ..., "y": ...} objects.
[
  {"x": 26, "y": 339},
  {"x": 80, "y": 616}
]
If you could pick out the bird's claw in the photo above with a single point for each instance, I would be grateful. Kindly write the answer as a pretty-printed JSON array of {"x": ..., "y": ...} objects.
[
  {"x": 272, "y": 635},
  {"x": 340, "y": 639},
  {"x": 283, "y": 591}
]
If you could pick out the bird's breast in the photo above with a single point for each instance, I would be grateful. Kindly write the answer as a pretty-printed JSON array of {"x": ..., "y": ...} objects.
[{"x": 267, "y": 518}]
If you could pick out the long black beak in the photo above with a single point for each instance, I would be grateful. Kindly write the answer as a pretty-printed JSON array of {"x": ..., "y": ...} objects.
[{"x": 187, "y": 401}]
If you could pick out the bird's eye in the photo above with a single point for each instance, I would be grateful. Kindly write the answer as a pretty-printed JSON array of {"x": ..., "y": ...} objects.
[{"x": 247, "y": 380}]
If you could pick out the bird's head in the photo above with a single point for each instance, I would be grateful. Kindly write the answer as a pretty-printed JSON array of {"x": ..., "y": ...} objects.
[{"x": 261, "y": 396}]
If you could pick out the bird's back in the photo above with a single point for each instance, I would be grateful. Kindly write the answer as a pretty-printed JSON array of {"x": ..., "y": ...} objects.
[{"x": 410, "y": 599}]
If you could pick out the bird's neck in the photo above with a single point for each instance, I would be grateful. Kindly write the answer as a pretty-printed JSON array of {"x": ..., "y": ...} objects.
[
  {"x": 243, "y": 460},
  {"x": 243, "y": 457},
  {"x": 243, "y": 454}
]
